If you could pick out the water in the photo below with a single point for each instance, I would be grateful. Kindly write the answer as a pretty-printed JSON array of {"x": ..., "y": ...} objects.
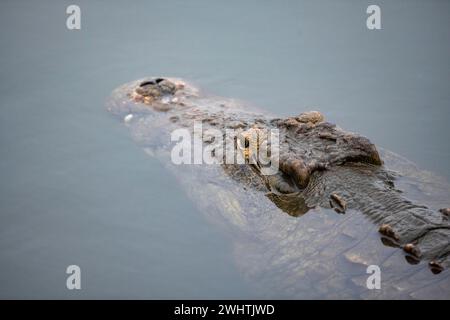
[{"x": 76, "y": 190}]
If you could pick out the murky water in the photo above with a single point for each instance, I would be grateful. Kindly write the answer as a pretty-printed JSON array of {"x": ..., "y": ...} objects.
[{"x": 76, "y": 190}]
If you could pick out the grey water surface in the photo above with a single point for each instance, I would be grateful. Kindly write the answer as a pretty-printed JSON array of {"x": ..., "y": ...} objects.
[{"x": 76, "y": 190}]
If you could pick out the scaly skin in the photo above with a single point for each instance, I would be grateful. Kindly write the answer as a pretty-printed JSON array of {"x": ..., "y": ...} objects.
[{"x": 321, "y": 166}]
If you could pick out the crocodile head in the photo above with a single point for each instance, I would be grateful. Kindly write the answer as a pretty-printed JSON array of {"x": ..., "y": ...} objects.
[{"x": 319, "y": 165}]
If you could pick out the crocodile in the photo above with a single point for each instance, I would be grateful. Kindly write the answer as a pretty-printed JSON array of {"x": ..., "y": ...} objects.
[{"x": 350, "y": 195}]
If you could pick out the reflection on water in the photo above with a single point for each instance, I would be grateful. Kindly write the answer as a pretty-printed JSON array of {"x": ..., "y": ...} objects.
[{"x": 76, "y": 190}]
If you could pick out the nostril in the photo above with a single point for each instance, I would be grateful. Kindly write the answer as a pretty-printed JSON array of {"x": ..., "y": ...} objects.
[
  {"x": 145, "y": 83},
  {"x": 159, "y": 80}
]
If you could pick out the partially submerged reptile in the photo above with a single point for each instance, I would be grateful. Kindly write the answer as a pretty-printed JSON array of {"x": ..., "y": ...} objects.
[{"x": 321, "y": 168}]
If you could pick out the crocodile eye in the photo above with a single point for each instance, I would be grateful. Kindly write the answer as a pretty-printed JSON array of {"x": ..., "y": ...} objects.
[{"x": 246, "y": 143}]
